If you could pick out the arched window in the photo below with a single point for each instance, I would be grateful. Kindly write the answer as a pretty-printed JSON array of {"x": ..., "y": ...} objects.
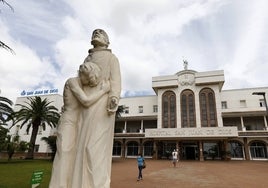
[
  {"x": 148, "y": 148},
  {"x": 258, "y": 150},
  {"x": 236, "y": 149},
  {"x": 208, "y": 108},
  {"x": 187, "y": 109},
  {"x": 169, "y": 110},
  {"x": 117, "y": 149},
  {"x": 132, "y": 149}
]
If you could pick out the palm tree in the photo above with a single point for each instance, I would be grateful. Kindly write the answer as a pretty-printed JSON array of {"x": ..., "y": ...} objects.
[
  {"x": 119, "y": 111},
  {"x": 2, "y": 44},
  {"x": 35, "y": 113},
  {"x": 5, "y": 110},
  {"x": 51, "y": 142},
  {"x": 3, "y": 136}
]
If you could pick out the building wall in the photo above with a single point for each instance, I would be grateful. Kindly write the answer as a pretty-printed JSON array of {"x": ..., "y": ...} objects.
[
  {"x": 233, "y": 98},
  {"x": 133, "y": 104}
]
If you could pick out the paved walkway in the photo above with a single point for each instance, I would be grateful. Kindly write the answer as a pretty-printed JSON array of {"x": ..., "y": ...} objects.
[{"x": 190, "y": 174}]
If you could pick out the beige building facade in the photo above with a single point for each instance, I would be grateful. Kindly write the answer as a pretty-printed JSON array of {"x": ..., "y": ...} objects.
[{"x": 190, "y": 112}]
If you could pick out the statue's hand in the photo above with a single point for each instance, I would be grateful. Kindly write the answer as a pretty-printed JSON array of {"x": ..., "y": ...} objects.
[{"x": 112, "y": 105}]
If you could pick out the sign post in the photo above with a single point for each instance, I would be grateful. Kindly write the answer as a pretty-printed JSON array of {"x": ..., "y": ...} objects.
[{"x": 36, "y": 178}]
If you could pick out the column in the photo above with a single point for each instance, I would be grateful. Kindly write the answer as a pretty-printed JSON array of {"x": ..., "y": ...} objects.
[
  {"x": 265, "y": 122},
  {"x": 201, "y": 156},
  {"x": 125, "y": 127},
  {"x": 141, "y": 147},
  {"x": 141, "y": 129},
  {"x": 177, "y": 144},
  {"x": 246, "y": 149},
  {"x": 124, "y": 148},
  {"x": 226, "y": 153},
  {"x": 155, "y": 149},
  {"x": 179, "y": 149},
  {"x": 242, "y": 123}
]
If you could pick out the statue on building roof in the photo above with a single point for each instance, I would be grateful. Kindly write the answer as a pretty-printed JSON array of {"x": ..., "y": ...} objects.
[{"x": 185, "y": 64}]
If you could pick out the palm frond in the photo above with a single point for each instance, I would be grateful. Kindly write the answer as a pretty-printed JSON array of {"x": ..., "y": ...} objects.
[
  {"x": 6, "y": 110},
  {"x": 4, "y": 2},
  {"x": 3, "y": 45},
  {"x": 119, "y": 111}
]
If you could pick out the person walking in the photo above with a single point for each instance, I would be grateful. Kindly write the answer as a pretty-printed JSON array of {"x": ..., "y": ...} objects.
[
  {"x": 174, "y": 157},
  {"x": 141, "y": 164}
]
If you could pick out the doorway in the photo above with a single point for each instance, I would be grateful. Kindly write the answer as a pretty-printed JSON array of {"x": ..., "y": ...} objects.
[{"x": 189, "y": 151}]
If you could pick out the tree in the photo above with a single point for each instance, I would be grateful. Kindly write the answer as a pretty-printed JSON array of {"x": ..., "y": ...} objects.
[
  {"x": 119, "y": 111},
  {"x": 13, "y": 144},
  {"x": 51, "y": 142},
  {"x": 35, "y": 113},
  {"x": 3, "y": 135},
  {"x": 9, "y": 144},
  {"x": 5, "y": 110},
  {"x": 2, "y": 44},
  {"x": 10, "y": 147}
]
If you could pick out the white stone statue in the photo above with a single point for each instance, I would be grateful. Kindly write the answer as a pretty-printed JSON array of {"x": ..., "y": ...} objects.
[
  {"x": 74, "y": 96},
  {"x": 90, "y": 140}
]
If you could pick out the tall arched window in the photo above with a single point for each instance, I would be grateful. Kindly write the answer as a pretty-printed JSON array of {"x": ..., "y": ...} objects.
[
  {"x": 187, "y": 109},
  {"x": 208, "y": 108},
  {"x": 236, "y": 149},
  {"x": 117, "y": 148},
  {"x": 132, "y": 148},
  {"x": 169, "y": 119},
  {"x": 148, "y": 148},
  {"x": 258, "y": 150}
]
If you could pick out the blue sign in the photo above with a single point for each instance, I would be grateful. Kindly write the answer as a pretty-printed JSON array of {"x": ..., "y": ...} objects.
[{"x": 39, "y": 92}]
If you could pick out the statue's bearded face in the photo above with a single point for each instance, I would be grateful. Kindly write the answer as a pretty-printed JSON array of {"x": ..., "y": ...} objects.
[{"x": 100, "y": 38}]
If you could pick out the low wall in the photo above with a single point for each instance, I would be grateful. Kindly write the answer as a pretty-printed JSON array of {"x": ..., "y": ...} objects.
[{"x": 21, "y": 155}]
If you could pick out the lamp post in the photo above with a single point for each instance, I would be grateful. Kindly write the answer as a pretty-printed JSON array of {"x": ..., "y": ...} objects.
[{"x": 265, "y": 102}]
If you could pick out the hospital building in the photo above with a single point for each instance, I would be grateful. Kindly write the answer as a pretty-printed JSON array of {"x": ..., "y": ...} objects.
[{"x": 190, "y": 112}]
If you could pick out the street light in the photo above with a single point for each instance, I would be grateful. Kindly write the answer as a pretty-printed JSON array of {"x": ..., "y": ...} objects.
[{"x": 265, "y": 103}]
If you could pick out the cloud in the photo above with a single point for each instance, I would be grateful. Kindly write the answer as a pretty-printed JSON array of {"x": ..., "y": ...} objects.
[
  {"x": 22, "y": 70},
  {"x": 150, "y": 38},
  {"x": 250, "y": 47},
  {"x": 144, "y": 34}
]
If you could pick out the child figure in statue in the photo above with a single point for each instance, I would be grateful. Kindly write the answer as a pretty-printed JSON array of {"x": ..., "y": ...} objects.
[{"x": 74, "y": 100}]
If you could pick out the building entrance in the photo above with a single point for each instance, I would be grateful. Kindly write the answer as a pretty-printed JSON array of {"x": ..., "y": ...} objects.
[
  {"x": 165, "y": 149},
  {"x": 189, "y": 151}
]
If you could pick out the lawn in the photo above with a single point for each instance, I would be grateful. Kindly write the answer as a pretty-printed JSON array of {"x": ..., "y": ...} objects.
[{"x": 18, "y": 173}]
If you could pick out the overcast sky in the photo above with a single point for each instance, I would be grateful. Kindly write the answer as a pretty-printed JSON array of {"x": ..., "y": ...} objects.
[{"x": 150, "y": 38}]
